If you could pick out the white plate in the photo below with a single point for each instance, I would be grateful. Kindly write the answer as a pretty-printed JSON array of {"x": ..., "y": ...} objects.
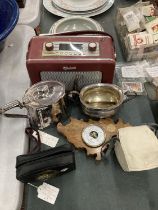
[
  {"x": 50, "y": 7},
  {"x": 79, "y": 5},
  {"x": 75, "y": 23},
  {"x": 79, "y": 13}
]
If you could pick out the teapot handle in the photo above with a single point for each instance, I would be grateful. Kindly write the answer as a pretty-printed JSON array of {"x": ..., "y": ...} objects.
[{"x": 12, "y": 105}]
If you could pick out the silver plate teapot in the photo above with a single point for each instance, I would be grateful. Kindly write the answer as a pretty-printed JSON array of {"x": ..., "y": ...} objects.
[{"x": 44, "y": 102}]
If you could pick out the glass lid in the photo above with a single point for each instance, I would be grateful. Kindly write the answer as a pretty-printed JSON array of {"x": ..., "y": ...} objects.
[{"x": 44, "y": 93}]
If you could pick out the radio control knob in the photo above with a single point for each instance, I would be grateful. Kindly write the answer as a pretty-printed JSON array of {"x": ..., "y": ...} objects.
[
  {"x": 49, "y": 46},
  {"x": 92, "y": 46}
]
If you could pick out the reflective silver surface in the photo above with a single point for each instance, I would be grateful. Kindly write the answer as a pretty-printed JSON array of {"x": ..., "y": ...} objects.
[
  {"x": 101, "y": 100},
  {"x": 75, "y": 23}
]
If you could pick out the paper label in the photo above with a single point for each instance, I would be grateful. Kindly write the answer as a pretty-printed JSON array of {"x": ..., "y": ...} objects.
[
  {"x": 140, "y": 39},
  {"x": 48, "y": 193},
  {"x": 150, "y": 18},
  {"x": 143, "y": 64},
  {"x": 132, "y": 71},
  {"x": 155, "y": 37},
  {"x": 152, "y": 27},
  {"x": 132, "y": 21},
  {"x": 148, "y": 10},
  {"x": 47, "y": 139},
  {"x": 152, "y": 72},
  {"x": 132, "y": 87}
]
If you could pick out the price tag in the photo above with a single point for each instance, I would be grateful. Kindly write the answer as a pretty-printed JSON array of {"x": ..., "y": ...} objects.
[
  {"x": 48, "y": 193},
  {"x": 47, "y": 139},
  {"x": 132, "y": 71},
  {"x": 152, "y": 72},
  {"x": 148, "y": 10},
  {"x": 132, "y": 21}
]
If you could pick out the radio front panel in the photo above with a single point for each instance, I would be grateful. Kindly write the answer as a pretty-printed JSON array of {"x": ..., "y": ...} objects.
[{"x": 70, "y": 49}]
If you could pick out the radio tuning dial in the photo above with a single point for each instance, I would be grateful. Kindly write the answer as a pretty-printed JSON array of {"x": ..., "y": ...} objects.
[
  {"x": 92, "y": 46},
  {"x": 49, "y": 46}
]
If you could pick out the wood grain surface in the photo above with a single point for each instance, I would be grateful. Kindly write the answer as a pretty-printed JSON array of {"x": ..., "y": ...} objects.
[{"x": 73, "y": 133}]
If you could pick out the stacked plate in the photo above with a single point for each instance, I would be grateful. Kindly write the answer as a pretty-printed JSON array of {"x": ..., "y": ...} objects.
[{"x": 85, "y": 8}]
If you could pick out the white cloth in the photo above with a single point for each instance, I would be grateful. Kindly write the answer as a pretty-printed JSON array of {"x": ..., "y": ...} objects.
[
  {"x": 14, "y": 82},
  {"x": 137, "y": 149}
]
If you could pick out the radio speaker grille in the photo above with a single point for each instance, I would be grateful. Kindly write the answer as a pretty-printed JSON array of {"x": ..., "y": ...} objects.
[{"x": 73, "y": 80}]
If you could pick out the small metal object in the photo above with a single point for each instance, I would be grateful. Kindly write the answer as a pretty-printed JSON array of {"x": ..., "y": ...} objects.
[{"x": 93, "y": 136}]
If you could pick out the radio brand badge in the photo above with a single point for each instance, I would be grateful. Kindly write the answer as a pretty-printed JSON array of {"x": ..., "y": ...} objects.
[{"x": 70, "y": 68}]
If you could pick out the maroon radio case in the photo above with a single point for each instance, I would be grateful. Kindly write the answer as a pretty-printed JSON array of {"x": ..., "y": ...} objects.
[{"x": 72, "y": 52}]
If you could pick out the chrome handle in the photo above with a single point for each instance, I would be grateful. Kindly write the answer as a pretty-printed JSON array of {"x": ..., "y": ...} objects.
[{"x": 11, "y": 105}]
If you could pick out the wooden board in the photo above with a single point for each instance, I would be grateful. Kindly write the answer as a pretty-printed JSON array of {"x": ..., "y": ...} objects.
[{"x": 73, "y": 132}]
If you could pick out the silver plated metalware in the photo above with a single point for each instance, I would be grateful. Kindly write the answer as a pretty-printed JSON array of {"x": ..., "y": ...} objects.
[
  {"x": 101, "y": 100},
  {"x": 75, "y": 23}
]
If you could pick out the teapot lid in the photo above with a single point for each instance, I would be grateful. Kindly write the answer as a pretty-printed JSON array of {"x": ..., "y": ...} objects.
[{"x": 44, "y": 93}]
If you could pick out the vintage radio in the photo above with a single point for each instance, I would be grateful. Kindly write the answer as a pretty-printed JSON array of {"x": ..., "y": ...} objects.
[{"x": 74, "y": 58}]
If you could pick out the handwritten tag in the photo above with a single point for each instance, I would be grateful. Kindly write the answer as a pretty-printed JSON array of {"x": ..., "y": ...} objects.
[
  {"x": 152, "y": 72},
  {"x": 47, "y": 139},
  {"x": 132, "y": 21},
  {"x": 132, "y": 71},
  {"x": 47, "y": 193}
]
